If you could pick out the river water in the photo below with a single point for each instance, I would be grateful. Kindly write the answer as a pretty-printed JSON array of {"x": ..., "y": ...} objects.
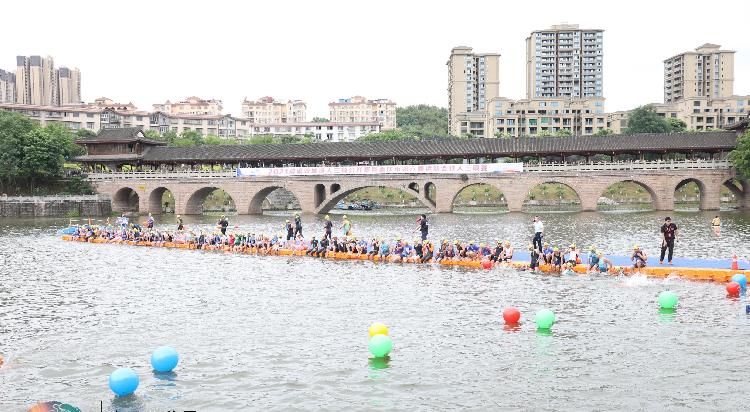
[{"x": 290, "y": 333}]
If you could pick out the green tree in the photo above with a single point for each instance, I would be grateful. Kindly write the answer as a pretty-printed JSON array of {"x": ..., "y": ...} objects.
[
  {"x": 740, "y": 156},
  {"x": 604, "y": 132},
  {"x": 504, "y": 135},
  {"x": 84, "y": 133},
  {"x": 152, "y": 134},
  {"x": 320, "y": 120},
  {"x": 676, "y": 125},
  {"x": 563, "y": 133},
  {"x": 260, "y": 139},
  {"x": 196, "y": 137},
  {"x": 13, "y": 130},
  {"x": 387, "y": 135},
  {"x": 213, "y": 140},
  {"x": 644, "y": 119},
  {"x": 169, "y": 136},
  {"x": 423, "y": 121},
  {"x": 544, "y": 133}
]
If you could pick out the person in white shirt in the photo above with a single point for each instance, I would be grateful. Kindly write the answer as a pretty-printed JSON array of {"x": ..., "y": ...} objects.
[{"x": 538, "y": 233}]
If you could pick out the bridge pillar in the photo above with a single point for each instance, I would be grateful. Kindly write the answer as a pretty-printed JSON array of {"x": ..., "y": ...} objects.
[
  {"x": 515, "y": 192},
  {"x": 710, "y": 195}
]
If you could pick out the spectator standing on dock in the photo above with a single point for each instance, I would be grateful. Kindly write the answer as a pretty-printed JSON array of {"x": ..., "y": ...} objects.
[
  {"x": 297, "y": 225},
  {"x": 150, "y": 221},
  {"x": 223, "y": 223},
  {"x": 328, "y": 228},
  {"x": 669, "y": 233},
  {"x": 538, "y": 233},
  {"x": 179, "y": 223},
  {"x": 423, "y": 227}
]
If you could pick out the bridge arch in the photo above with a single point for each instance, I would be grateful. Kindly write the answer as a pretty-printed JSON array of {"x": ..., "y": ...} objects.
[
  {"x": 256, "y": 202},
  {"x": 194, "y": 203},
  {"x": 480, "y": 192},
  {"x": 611, "y": 192},
  {"x": 336, "y": 197},
  {"x": 700, "y": 186},
  {"x": 125, "y": 199},
  {"x": 544, "y": 190},
  {"x": 156, "y": 203}
]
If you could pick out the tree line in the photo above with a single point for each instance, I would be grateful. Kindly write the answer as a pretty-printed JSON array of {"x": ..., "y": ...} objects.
[{"x": 32, "y": 156}]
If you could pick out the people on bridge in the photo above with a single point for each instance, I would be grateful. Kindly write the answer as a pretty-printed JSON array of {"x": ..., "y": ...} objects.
[
  {"x": 346, "y": 227},
  {"x": 180, "y": 226},
  {"x": 297, "y": 225},
  {"x": 638, "y": 258},
  {"x": 422, "y": 226},
  {"x": 538, "y": 233},
  {"x": 328, "y": 228},
  {"x": 669, "y": 234},
  {"x": 223, "y": 223}
]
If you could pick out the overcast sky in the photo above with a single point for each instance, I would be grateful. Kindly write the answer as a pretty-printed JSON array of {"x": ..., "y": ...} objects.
[{"x": 318, "y": 51}]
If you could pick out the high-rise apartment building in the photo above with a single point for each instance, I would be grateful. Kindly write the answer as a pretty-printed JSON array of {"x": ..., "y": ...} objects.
[
  {"x": 267, "y": 110},
  {"x": 473, "y": 80},
  {"x": 358, "y": 109},
  {"x": 564, "y": 61},
  {"x": 191, "y": 106},
  {"x": 39, "y": 83},
  {"x": 706, "y": 72},
  {"x": 69, "y": 86},
  {"x": 7, "y": 87}
]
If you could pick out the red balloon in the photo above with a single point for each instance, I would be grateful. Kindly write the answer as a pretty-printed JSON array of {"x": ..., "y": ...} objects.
[
  {"x": 511, "y": 315},
  {"x": 487, "y": 264},
  {"x": 733, "y": 289}
]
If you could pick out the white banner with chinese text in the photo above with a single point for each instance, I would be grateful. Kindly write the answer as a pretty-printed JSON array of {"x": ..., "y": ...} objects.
[{"x": 376, "y": 170}]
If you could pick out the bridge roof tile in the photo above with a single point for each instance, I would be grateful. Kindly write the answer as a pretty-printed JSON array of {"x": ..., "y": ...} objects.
[{"x": 446, "y": 148}]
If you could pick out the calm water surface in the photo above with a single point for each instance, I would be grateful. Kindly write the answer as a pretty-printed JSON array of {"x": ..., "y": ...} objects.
[{"x": 290, "y": 333}]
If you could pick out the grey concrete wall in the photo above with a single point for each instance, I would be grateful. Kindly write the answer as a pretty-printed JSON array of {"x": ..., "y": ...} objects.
[{"x": 53, "y": 206}]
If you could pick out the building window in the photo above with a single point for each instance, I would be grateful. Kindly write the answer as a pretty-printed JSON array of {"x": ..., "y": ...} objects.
[
  {"x": 89, "y": 125},
  {"x": 89, "y": 115},
  {"x": 696, "y": 103}
]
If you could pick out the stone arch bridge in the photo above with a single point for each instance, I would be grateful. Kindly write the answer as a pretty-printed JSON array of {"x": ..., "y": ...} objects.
[{"x": 143, "y": 191}]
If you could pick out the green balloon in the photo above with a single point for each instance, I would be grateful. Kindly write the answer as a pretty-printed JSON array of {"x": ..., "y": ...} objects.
[
  {"x": 668, "y": 299},
  {"x": 380, "y": 345},
  {"x": 544, "y": 319}
]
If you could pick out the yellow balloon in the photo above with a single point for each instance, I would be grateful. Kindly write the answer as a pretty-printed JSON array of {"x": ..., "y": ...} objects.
[{"x": 378, "y": 328}]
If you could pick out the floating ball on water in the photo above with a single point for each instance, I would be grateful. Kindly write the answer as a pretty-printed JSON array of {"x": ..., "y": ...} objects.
[
  {"x": 740, "y": 279},
  {"x": 511, "y": 315},
  {"x": 380, "y": 345},
  {"x": 164, "y": 359},
  {"x": 544, "y": 319},
  {"x": 733, "y": 289},
  {"x": 487, "y": 264},
  {"x": 378, "y": 328},
  {"x": 123, "y": 381},
  {"x": 667, "y": 299}
]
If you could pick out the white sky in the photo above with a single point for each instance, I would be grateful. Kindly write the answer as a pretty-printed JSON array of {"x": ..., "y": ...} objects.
[{"x": 150, "y": 51}]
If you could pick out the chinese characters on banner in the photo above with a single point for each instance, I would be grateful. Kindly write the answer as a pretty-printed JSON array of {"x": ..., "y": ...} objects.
[{"x": 373, "y": 170}]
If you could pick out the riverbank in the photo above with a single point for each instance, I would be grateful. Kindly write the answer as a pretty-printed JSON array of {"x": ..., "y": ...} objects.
[{"x": 55, "y": 206}]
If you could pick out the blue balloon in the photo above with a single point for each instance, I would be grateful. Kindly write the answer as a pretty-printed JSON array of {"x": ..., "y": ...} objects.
[
  {"x": 741, "y": 279},
  {"x": 164, "y": 359},
  {"x": 123, "y": 381}
]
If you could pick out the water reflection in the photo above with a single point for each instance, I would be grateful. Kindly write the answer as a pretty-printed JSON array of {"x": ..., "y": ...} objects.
[{"x": 379, "y": 363}]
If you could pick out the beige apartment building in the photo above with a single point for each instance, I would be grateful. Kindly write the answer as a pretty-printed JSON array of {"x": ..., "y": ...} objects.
[
  {"x": 706, "y": 72},
  {"x": 565, "y": 61},
  {"x": 39, "y": 83},
  {"x": 81, "y": 117},
  {"x": 267, "y": 110},
  {"x": 473, "y": 80},
  {"x": 191, "y": 106},
  {"x": 7, "y": 87},
  {"x": 534, "y": 117},
  {"x": 358, "y": 109}
]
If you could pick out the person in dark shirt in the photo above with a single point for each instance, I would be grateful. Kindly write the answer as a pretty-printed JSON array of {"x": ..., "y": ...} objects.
[
  {"x": 223, "y": 223},
  {"x": 423, "y": 228},
  {"x": 297, "y": 225},
  {"x": 669, "y": 233},
  {"x": 289, "y": 230},
  {"x": 329, "y": 228}
]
